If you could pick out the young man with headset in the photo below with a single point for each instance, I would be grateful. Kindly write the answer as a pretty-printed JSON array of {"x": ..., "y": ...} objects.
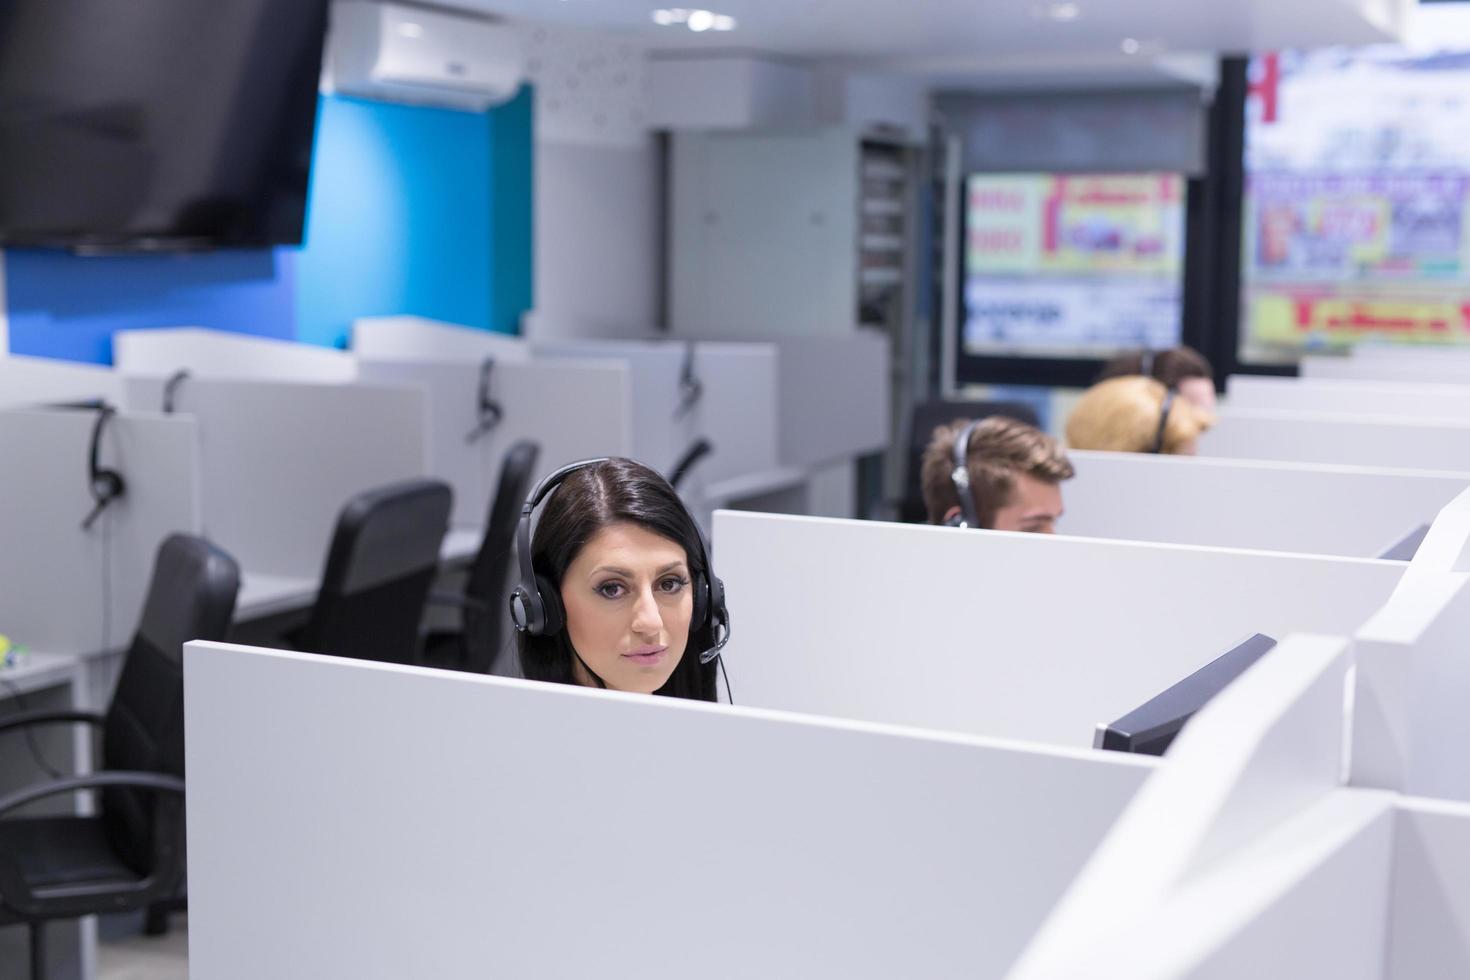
[{"x": 996, "y": 473}]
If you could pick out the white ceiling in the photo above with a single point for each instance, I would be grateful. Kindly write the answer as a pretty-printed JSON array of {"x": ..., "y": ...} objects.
[{"x": 938, "y": 38}]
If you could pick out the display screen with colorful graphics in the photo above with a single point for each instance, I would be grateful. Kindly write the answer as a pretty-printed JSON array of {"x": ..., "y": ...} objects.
[
  {"x": 1355, "y": 224},
  {"x": 1072, "y": 265}
]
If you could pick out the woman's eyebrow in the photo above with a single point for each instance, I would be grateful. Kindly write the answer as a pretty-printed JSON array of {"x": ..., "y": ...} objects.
[{"x": 611, "y": 568}]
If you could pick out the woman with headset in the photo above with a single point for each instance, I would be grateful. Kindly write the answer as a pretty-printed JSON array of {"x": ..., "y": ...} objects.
[{"x": 616, "y": 589}]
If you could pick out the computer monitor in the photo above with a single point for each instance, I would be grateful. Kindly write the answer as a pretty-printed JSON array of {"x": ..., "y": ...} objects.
[
  {"x": 1406, "y": 547},
  {"x": 1150, "y": 728}
]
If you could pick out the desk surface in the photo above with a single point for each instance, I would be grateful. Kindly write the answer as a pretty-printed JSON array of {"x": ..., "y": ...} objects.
[
  {"x": 37, "y": 671},
  {"x": 270, "y": 595}
]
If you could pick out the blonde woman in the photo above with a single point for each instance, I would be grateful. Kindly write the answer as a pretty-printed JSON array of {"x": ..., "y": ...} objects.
[{"x": 1135, "y": 414}]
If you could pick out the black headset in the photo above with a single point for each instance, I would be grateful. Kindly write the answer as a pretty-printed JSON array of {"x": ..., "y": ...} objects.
[
  {"x": 171, "y": 389},
  {"x": 488, "y": 409},
  {"x": 105, "y": 485},
  {"x": 691, "y": 389},
  {"x": 535, "y": 605},
  {"x": 1158, "y": 444},
  {"x": 959, "y": 475}
]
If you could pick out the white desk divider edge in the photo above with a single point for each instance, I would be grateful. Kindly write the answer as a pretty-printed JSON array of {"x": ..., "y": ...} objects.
[
  {"x": 571, "y": 409},
  {"x": 205, "y": 353},
  {"x": 279, "y": 460},
  {"x": 1009, "y": 635},
  {"x": 1360, "y": 440},
  {"x": 1309, "y": 508},
  {"x": 819, "y": 847},
  {"x": 52, "y": 587},
  {"x": 395, "y": 338}
]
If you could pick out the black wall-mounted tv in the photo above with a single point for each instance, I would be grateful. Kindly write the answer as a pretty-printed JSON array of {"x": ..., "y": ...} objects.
[{"x": 157, "y": 125}]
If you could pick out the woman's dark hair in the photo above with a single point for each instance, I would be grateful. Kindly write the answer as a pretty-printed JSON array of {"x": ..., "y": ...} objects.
[
  {"x": 617, "y": 491},
  {"x": 1169, "y": 366}
]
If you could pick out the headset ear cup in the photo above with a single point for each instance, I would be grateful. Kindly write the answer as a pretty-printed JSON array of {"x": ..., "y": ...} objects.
[
  {"x": 551, "y": 607},
  {"x": 700, "y": 617}
]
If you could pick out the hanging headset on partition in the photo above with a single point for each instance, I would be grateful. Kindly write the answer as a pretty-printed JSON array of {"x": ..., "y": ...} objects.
[
  {"x": 486, "y": 408},
  {"x": 1146, "y": 363},
  {"x": 691, "y": 389},
  {"x": 535, "y": 605},
  {"x": 105, "y": 485},
  {"x": 960, "y": 476},
  {"x": 171, "y": 389}
]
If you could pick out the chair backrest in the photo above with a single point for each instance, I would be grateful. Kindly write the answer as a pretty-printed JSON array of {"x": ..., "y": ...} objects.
[
  {"x": 927, "y": 417},
  {"x": 191, "y": 596},
  {"x": 490, "y": 573},
  {"x": 380, "y": 565}
]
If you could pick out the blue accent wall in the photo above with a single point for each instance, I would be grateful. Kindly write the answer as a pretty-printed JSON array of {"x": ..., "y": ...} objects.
[{"x": 412, "y": 210}]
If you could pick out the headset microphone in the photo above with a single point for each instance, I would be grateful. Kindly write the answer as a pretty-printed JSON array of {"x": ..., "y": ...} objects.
[
  {"x": 171, "y": 390},
  {"x": 105, "y": 485}
]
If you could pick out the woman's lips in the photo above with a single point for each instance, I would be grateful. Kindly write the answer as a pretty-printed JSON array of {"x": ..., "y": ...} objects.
[{"x": 646, "y": 656}]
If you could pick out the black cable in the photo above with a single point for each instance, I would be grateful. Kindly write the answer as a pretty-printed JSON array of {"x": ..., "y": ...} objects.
[
  {"x": 729, "y": 694},
  {"x": 19, "y": 697},
  {"x": 106, "y": 585}
]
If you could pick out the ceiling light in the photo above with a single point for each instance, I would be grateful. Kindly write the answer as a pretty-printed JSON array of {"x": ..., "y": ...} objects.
[
  {"x": 1131, "y": 45},
  {"x": 1062, "y": 11},
  {"x": 696, "y": 20},
  {"x": 409, "y": 29}
]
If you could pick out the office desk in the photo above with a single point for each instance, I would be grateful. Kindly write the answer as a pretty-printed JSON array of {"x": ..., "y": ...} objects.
[{"x": 263, "y": 596}]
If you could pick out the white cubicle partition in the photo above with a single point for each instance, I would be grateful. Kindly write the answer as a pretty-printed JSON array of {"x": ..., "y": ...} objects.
[
  {"x": 737, "y": 408},
  {"x": 670, "y": 839},
  {"x": 278, "y": 462},
  {"x": 1353, "y": 511},
  {"x": 220, "y": 354},
  {"x": 1025, "y": 636},
  {"x": 42, "y": 380},
  {"x": 571, "y": 409},
  {"x": 64, "y": 588},
  {"x": 1348, "y": 397},
  {"x": 414, "y": 338},
  {"x": 835, "y": 401},
  {"x": 1428, "y": 368},
  {"x": 1241, "y": 857},
  {"x": 1354, "y": 440},
  {"x": 1429, "y": 910}
]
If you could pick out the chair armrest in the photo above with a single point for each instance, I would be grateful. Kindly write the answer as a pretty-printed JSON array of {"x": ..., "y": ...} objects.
[
  {"x": 85, "y": 898},
  {"x": 157, "y": 782},
  {"x": 46, "y": 717},
  {"x": 456, "y": 600}
]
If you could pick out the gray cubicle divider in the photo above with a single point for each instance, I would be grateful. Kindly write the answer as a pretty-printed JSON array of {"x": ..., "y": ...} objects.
[
  {"x": 571, "y": 409},
  {"x": 39, "y": 380},
  {"x": 208, "y": 353},
  {"x": 835, "y": 401},
  {"x": 660, "y": 434},
  {"x": 67, "y": 589},
  {"x": 1354, "y": 440},
  {"x": 279, "y": 460},
  {"x": 415, "y": 338},
  {"x": 1322, "y": 509},
  {"x": 1029, "y": 636},
  {"x": 1348, "y": 397},
  {"x": 644, "y": 825}
]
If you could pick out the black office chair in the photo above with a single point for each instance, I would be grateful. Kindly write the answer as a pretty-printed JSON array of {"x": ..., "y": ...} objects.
[
  {"x": 476, "y": 647},
  {"x": 380, "y": 566},
  {"x": 928, "y": 416},
  {"x": 131, "y": 855}
]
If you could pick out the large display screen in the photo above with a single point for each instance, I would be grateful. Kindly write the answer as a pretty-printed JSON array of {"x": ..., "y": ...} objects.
[
  {"x": 1072, "y": 265},
  {"x": 1355, "y": 222},
  {"x": 157, "y": 124}
]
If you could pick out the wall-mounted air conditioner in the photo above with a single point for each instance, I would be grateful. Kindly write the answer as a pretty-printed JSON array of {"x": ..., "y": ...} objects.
[{"x": 397, "y": 53}]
